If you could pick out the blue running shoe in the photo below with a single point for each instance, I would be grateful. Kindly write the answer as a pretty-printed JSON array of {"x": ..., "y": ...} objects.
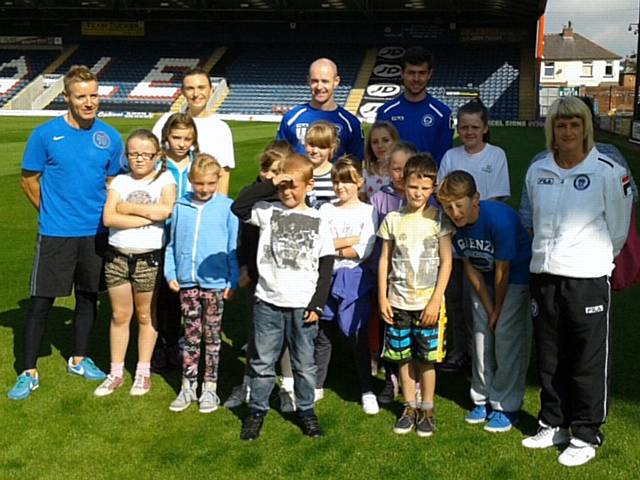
[
  {"x": 477, "y": 415},
  {"x": 23, "y": 387},
  {"x": 501, "y": 421},
  {"x": 86, "y": 368}
]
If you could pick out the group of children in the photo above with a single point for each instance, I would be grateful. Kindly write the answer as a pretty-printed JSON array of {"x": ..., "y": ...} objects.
[{"x": 327, "y": 248}]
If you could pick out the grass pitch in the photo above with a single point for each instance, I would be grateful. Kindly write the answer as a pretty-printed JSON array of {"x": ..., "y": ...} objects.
[{"x": 63, "y": 431}]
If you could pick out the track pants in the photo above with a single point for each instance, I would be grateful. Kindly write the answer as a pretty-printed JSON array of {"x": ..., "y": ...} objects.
[{"x": 571, "y": 326}]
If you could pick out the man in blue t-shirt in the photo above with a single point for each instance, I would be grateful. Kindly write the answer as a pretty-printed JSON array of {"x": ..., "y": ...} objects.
[
  {"x": 323, "y": 80},
  {"x": 67, "y": 164},
  {"x": 420, "y": 118},
  {"x": 497, "y": 250}
]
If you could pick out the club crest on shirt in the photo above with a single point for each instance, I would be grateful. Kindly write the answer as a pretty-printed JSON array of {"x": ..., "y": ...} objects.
[
  {"x": 428, "y": 120},
  {"x": 101, "y": 139},
  {"x": 581, "y": 182}
]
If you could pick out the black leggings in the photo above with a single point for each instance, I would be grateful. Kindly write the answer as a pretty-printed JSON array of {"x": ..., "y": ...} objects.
[{"x": 39, "y": 308}]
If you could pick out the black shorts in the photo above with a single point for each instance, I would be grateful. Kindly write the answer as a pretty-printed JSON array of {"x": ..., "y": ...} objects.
[{"x": 61, "y": 263}]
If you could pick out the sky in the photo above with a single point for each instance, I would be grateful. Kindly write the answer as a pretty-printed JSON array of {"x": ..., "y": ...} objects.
[{"x": 604, "y": 22}]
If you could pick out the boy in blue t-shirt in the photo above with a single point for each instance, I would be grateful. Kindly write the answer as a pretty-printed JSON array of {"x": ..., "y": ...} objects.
[{"x": 496, "y": 250}]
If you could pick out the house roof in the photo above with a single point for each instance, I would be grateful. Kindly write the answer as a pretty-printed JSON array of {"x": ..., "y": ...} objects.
[{"x": 574, "y": 47}]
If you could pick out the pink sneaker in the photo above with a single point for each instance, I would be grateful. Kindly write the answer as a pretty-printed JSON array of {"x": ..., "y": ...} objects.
[
  {"x": 141, "y": 386},
  {"x": 109, "y": 386}
]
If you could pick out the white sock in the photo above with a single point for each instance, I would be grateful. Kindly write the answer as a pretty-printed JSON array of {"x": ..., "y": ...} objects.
[{"x": 287, "y": 383}]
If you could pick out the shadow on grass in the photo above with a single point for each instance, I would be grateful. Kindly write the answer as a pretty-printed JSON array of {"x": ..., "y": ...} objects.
[{"x": 58, "y": 333}]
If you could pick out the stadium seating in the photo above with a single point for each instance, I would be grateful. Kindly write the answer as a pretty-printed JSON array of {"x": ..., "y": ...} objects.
[
  {"x": 460, "y": 73},
  {"x": 260, "y": 80},
  {"x": 137, "y": 76},
  {"x": 19, "y": 67}
]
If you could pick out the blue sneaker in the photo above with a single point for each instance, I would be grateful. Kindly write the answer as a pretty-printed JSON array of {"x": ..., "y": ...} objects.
[
  {"x": 477, "y": 415},
  {"x": 23, "y": 387},
  {"x": 501, "y": 421},
  {"x": 86, "y": 368}
]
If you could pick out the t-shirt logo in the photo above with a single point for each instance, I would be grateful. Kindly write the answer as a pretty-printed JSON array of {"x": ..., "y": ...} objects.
[
  {"x": 101, "y": 140},
  {"x": 428, "y": 120},
  {"x": 581, "y": 182},
  {"x": 301, "y": 131}
]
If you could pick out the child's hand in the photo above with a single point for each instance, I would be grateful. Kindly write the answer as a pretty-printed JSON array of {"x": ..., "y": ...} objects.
[
  {"x": 430, "y": 314},
  {"x": 227, "y": 294},
  {"x": 245, "y": 280},
  {"x": 174, "y": 286},
  {"x": 386, "y": 312},
  {"x": 493, "y": 320},
  {"x": 310, "y": 316},
  {"x": 282, "y": 178}
]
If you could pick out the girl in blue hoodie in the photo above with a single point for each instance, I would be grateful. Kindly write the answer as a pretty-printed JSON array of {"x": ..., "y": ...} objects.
[{"x": 201, "y": 264}]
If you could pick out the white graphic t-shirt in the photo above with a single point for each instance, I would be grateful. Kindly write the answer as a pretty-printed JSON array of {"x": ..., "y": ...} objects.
[
  {"x": 290, "y": 246},
  {"x": 351, "y": 222},
  {"x": 142, "y": 192}
]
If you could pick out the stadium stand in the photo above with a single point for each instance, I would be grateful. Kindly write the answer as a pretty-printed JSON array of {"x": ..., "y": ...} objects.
[
  {"x": 19, "y": 67},
  {"x": 261, "y": 82},
  {"x": 136, "y": 76}
]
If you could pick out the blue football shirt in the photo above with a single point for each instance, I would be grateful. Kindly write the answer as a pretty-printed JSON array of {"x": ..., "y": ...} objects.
[
  {"x": 74, "y": 164},
  {"x": 427, "y": 124},
  {"x": 497, "y": 235},
  {"x": 295, "y": 123}
]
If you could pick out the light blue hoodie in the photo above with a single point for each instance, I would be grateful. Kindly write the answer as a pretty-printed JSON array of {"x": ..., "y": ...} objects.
[{"x": 202, "y": 249}]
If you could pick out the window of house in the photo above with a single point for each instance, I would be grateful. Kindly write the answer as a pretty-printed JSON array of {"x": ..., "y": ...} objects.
[
  {"x": 587, "y": 69},
  {"x": 549, "y": 69},
  {"x": 608, "y": 69}
]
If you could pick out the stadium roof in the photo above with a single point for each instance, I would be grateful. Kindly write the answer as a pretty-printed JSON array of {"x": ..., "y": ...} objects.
[{"x": 273, "y": 10}]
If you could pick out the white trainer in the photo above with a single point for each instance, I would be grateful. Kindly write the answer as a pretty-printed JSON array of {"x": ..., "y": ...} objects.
[
  {"x": 370, "y": 404},
  {"x": 186, "y": 395},
  {"x": 577, "y": 453},
  {"x": 547, "y": 437}
]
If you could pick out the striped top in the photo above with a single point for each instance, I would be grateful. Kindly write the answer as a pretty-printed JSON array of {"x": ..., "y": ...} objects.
[{"x": 322, "y": 191}]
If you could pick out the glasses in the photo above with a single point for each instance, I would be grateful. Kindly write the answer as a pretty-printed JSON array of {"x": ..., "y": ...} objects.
[{"x": 145, "y": 156}]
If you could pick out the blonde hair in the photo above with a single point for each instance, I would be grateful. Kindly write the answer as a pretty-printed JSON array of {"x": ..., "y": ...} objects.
[
  {"x": 204, "y": 164},
  {"x": 565, "y": 108},
  {"x": 76, "y": 74},
  {"x": 323, "y": 134},
  {"x": 347, "y": 170},
  {"x": 295, "y": 163},
  {"x": 369, "y": 157},
  {"x": 458, "y": 184}
]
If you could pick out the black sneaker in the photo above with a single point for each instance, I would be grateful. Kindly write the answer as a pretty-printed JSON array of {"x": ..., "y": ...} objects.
[
  {"x": 388, "y": 393},
  {"x": 456, "y": 363},
  {"x": 406, "y": 422},
  {"x": 425, "y": 423},
  {"x": 251, "y": 426},
  {"x": 311, "y": 426}
]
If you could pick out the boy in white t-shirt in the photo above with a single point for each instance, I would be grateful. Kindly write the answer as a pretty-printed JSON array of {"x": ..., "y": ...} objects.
[{"x": 295, "y": 262}]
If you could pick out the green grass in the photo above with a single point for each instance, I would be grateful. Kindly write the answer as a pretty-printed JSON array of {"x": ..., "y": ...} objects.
[{"x": 63, "y": 431}]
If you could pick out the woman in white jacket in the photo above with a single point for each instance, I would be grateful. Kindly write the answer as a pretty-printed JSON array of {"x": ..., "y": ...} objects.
[{"x": 581, "y": 202}]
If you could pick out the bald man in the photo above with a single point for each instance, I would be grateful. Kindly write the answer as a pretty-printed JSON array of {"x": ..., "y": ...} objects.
[{"x": 323, "y": 80}]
